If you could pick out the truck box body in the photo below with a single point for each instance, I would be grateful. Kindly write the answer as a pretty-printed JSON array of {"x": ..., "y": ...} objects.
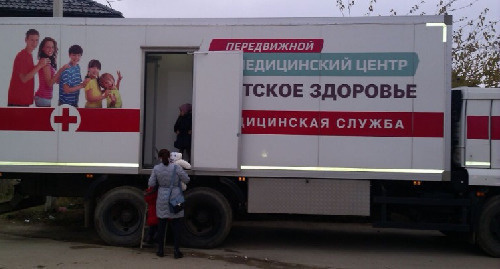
[{"x": 326, "y": 95}]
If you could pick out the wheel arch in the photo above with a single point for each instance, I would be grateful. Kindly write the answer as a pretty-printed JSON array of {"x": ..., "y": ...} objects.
[
  {"x": 103, "y": 183},
  {"x": 233, "y": 190}
]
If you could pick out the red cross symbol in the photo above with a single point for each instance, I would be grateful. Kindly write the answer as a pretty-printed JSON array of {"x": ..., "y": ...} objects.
[{"x": 65, "y": 119}]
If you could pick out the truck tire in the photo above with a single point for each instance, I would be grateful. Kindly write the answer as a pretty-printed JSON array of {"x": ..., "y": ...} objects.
[
  {"x": 488, "y": 234},
  {"x": 119, "y": 216},
  {"x": 207, "y": 218}
]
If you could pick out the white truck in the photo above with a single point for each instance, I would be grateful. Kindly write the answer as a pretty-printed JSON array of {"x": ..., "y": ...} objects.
[{"x": 307, "y": 116}]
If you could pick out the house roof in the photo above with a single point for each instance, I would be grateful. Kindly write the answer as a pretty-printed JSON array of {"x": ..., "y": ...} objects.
[{"x": 44, "y": 8}]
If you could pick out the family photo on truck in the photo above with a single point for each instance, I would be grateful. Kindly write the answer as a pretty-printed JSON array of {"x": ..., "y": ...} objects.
[{"x": 22, "y": 83}]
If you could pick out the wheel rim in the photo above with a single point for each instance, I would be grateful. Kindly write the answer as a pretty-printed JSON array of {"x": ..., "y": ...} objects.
[
  {"x": 202, "y": 220},
  {"x": 123, "y": 218}
]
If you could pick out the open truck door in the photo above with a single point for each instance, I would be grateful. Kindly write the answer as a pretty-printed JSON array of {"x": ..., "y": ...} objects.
[{"x": 217, "y": 99}]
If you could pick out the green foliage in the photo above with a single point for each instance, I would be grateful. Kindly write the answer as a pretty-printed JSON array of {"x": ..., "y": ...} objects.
[
  {"x": 476, "y": 43},
  {"x": 476, "y": 52}
]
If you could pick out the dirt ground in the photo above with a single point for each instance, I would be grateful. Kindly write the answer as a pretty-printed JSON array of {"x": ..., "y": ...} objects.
[
  {"x": 64, "y": 220},
  {"x": 61, "y": 229},
  {"x": 35, "y": 238}
]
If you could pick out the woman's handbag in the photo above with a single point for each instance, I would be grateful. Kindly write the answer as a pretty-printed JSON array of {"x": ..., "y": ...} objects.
[{"x": 176, "y": 203}]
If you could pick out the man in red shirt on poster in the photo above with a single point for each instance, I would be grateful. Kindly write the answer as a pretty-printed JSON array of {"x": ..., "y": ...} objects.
[{"x": 22, "y": 83}]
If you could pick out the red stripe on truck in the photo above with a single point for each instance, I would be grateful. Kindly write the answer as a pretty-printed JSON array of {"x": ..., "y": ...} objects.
[
  {"x": 325, "y": 123},
  {"x": 495, "y": 127},
  {"x": 91, "y": 119},
  {"x": 268, "y": 45},
  {"x": 109, "y": 120},
  {"x": 25, "y": 119},
  {"x": 478, "y": 128}
]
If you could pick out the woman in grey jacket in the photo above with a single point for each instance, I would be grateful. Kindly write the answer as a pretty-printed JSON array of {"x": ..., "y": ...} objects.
[{"x": 162, "y": 176}]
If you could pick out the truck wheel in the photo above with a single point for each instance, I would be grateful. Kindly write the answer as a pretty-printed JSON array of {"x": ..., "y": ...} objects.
[
  {"x": 207, "y": 218},
  {"x": 119, "y": 216},
  {"x": 488, "y": 235}
]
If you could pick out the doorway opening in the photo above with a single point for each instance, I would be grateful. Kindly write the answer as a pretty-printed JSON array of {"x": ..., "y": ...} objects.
[{"x": 168, "y": 83}]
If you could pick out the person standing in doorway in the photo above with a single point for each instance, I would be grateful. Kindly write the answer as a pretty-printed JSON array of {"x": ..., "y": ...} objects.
[
  {"x": 22, "y": 83},
  {"x": 183, "y": 130}
]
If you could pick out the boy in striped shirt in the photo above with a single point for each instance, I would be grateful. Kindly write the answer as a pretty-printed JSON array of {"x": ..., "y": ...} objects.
[{"x": 71, "y": 79}]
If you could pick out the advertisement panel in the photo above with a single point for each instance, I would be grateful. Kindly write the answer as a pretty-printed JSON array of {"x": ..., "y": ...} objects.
[
  {"x": 367, "y": 97},
  {"x": 53, "y": 110}
]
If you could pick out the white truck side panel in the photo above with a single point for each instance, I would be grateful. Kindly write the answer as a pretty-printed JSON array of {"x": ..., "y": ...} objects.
[
  {"x": 270, "y": 151},
  {"x": 363, "y": 36},
  {"x": 108, "y": 146},
  {"x": 430, "y": 97},
  {"x": 72, "y": 151},
  {"x": 422, "y": 159},
  {"x": 162, "y": 36},
  {"x": 321, "y": 132},
  {"x": 477, "y": 151},
  {"x": 365, "y": 153},
  {"x": 432, "y": 69},
  {"x": 28, "y": 149}
]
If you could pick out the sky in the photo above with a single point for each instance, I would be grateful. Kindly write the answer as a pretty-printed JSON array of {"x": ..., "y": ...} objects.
[{"x": 286, "y": 8}]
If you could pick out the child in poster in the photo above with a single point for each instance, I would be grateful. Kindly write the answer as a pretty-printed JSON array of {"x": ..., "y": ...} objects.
[
  {"x": 93, "y": 93},
  {"x": 107, "y": 81},
  {"x": 71, "y": 79}
]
